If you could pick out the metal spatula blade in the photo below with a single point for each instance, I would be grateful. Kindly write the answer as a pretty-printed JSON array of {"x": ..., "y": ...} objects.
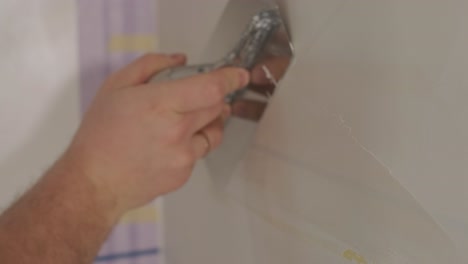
[
  {"x": 250, "y": 34},
  {"x": 268, "y": 55}
]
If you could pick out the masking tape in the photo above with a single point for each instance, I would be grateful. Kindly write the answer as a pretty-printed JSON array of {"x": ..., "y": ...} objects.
[
  {"x": 141, "y": 216},
  {"x": 132, "y": 43}
]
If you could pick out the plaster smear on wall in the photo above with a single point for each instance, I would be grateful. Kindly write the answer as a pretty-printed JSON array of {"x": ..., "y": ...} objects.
[{"x": 350, "y": 207}]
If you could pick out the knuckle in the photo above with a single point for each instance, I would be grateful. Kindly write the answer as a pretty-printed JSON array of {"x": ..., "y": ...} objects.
[
  {"x": 154, "y": 105},
  {"x": 178, "y": 131}
]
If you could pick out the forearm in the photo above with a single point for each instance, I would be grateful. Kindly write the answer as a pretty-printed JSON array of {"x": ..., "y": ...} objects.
[{"x": 63, "y": 219}]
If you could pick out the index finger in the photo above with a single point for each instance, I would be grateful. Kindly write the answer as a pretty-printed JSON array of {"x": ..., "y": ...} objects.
[{"x": 203, "y": 90}]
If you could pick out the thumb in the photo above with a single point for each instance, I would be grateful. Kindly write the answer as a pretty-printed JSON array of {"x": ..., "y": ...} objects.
[{"x": 141, "y": 70}]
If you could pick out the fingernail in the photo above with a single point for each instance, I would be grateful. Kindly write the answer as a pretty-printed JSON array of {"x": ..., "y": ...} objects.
[
  {"x": 177, "y": 56},
  {"x": 244, "y": 77}
]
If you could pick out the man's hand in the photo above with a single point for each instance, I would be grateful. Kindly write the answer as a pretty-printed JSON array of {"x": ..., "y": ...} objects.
[
  {"x": 140, "y": 140},
  {"x": 136, "y": 142}
]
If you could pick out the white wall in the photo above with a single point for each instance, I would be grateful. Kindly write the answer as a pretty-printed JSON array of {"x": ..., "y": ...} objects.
[
  {"x": 362, "y": 152},
  {"x": 39, "y": 100}
]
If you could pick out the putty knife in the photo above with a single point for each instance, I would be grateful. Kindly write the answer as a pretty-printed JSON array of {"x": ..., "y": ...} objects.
[{"x": 253, "y": 35}]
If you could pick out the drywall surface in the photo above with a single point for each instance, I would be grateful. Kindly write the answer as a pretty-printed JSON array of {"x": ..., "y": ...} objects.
[
  {"x": 39, "y": 101},
  {"x": 361, "y": 155}
]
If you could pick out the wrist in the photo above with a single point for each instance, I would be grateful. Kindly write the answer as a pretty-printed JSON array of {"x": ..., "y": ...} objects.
[{"x": 80, "y": 188}]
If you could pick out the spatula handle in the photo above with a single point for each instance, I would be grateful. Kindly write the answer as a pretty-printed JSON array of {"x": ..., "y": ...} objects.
[{"x": 182, "y": 72}]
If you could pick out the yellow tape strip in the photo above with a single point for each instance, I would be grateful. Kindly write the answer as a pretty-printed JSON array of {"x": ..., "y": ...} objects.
[
  {"x": 132, "y": 43},
  {"x": 141, "y": 216}
]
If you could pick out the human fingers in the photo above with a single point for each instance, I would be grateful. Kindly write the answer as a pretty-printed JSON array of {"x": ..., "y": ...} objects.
[
  {"x": 200, "y": 91},
  {"x": 210, "y": 137},
  {"x": 202, "y": 118}
]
